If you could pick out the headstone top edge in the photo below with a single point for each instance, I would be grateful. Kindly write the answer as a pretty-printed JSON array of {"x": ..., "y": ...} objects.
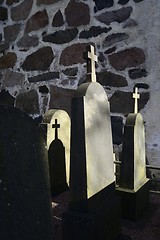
[
  {"x": 11, "y": 109},
  {"x": 82, "y": 89},
  {"x": 132, "y": 118},
  {"x": 47, "y": 117}
]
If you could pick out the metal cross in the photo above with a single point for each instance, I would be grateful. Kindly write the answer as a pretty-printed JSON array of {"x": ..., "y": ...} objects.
[
  {"x": 91, "y": 72},
  {"x": 136, "y": 96},
  {"x": 56, "y": 126}
]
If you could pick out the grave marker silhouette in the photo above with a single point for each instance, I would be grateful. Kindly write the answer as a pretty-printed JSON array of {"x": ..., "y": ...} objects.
[
  {"x": 133, "y": 183},
  {"x": 94, "y": 211},
  {"x": 56, "y": 127},
  {"x": 25, "y": 205}
]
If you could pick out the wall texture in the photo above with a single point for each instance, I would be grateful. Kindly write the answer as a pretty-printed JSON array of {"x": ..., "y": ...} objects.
[{"x": 41, "y": 57}]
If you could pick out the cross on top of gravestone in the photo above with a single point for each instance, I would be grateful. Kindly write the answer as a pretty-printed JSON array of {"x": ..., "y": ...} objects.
[
  {"x": 92, "y": 58},
  {"x": 56, "y": 126},
  {"x": 136, "y": 96}
]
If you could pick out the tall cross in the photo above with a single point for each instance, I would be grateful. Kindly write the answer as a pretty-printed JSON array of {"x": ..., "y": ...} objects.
[
  {"x": 136, "y": 96},
  {"x": 91, "y": 72},
  {"x": 56, "y": 126}
]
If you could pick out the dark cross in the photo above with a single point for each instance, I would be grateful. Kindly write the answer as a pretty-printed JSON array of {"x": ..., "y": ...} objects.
[
  {"x": 136, "y": 96},
  {"x": 92, "y": 58},
  {"x": 56, "y": 126}
]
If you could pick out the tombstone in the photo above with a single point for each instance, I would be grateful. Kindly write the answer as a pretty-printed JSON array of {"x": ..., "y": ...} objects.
[
  {"x": 25, "y": 205},
  {"x": 56, "y": 126},
  {"x": 133, "y": 184},
  {"x": 94, "y": 209}
]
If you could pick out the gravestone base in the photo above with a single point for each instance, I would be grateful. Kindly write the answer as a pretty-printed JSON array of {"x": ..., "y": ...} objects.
[
  {"x": 100, "y": 223},
  {"x": 134, "y": 203}
]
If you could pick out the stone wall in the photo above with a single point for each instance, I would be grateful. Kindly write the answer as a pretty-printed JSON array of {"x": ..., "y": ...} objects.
[{"x": 41, "y": 57}]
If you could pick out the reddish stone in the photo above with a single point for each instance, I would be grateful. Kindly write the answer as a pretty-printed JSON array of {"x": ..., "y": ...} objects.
[
  {"x": 28, "y": 102},
  {"x": 3, "y": 14},
  {"x": 100, "y": 4},
  {"x": 77, "y": 14},
  {"x": 10, "y": 2},
  {"x": 110, "y": 50},
  {"x": 3, "y": 47},
  {"x": 22, "y": 11},
  {"x": 46, "y": 2},
  {"x": 71, "y": 72},
  {"x": 61, "y": 98},
  {"x": 37, "y": 21},
  {"x": 61, "y": 36},
  {"x": 142, "y": 85},
  {"x": 127, "y": 58},
  {"x": 58, "y": 19},
  {"x": 73, "y": 54},
  {"x": 137, "y": 73},
  {"x": 119, "y": 15},
  {"x": 8, "y": 60},
  {"x": 94, "y": 31},
  {"x": 44, "y": 77},
  {"x": 39, "y": 60},
  {"x": 11, "y": 78},
  {"x": 137, "y": 1},
  {"x": 111, "y": 79},
  {"x": 123, "y": 2},
  {"x": 114, "y": 38},
  {"x": 28, "y": 41},
  {"x": 11, "y": 32},
  {"x": 123, "y": 102}
]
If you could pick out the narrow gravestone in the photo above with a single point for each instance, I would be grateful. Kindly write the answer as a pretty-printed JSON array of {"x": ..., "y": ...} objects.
[
  {"x": 94, "y": 211},
  {"x": 25, "y": 205},
  {"x": 56, "y": 126},
  {"x": 133, "y": 184}
]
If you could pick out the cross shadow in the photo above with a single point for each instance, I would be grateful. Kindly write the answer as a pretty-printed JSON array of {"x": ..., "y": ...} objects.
[{"x": 57, "y": 165}]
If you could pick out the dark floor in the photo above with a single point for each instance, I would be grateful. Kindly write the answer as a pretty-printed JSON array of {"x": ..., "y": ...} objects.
[{"x": 146, "y": 228}]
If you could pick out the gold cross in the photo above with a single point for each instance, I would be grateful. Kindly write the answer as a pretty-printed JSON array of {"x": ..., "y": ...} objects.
[
  {"x": 91, "y": 72},
  {"x": 136, "y": 96},
  {"x": 56, "y": 126}
]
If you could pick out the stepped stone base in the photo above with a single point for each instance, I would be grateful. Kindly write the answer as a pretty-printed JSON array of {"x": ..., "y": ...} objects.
[
  {"x": 100, "y": 223},
  {"x": 134, "y": 203}
]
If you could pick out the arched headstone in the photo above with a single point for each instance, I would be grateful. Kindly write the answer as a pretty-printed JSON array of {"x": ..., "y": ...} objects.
[
  {"x": 92, "y": 164},
  {"x": 56, "y": 125},
  {"x": 25, "y": 205},
  {"x": 133, "y": 165},
  {"x": 133, "y": 183},
  {"x": 94, "y": 210}
]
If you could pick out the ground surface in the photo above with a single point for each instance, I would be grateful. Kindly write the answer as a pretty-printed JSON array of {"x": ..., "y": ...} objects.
[{"x": 146, "y": 228}]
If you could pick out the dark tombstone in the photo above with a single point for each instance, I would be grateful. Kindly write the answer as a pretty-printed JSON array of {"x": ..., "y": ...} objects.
[
  {"x": 94, "y": 209},
  {"x": 56, "y": 126},
  {"x": 133, "y": 184},
  {"x": 25, "y": 205}
]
